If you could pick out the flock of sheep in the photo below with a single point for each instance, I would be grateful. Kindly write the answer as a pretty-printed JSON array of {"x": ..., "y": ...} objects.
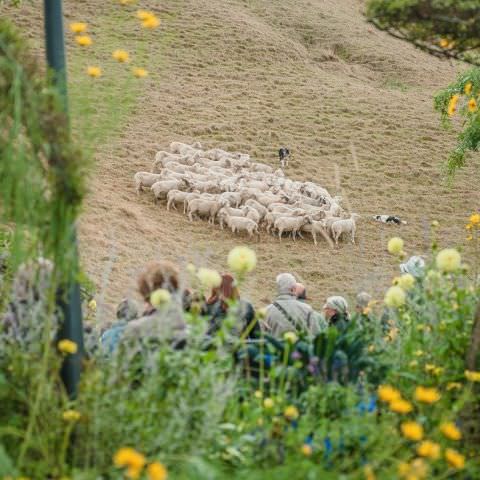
[{"x": 231, "y": 189}]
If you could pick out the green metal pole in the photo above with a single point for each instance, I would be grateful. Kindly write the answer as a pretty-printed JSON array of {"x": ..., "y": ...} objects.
[{"x": 69, "y": 296}]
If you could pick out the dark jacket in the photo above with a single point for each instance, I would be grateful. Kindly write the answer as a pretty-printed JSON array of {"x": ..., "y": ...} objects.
[
  {"x": 242, "y": 311},
  {"x": 339, "y": 321}
]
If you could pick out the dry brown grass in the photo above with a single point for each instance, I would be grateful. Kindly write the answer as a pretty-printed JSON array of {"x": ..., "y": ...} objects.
[{"x": 253, "y": 75}]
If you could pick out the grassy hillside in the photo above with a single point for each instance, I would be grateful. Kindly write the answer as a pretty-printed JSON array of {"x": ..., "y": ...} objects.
[{"x": 352, "y": 103}]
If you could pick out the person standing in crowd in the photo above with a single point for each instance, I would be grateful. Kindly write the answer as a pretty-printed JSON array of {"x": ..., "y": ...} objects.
[
  {"x": 164, "y": 322},
  {"x": 126, "y": 311},
  {"x": 224, "y": 301},
  {"x": 301, "y": 292},
  {"x": 288, "y": 314},
  {"x": 336, "y": 312}
]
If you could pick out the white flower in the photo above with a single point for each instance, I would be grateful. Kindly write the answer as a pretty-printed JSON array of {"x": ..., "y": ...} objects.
[
  {"x": 406, "y": 281},
  {"x": 290, "y": 337},
  {"x": 209, "y": 278},
  {"x": 242, "y": 259},
  {"x": 448, "y": 260},
  {"x": 395, "y": 297},
  {"x": 160, "y": 297},
  {"x": 395, "y": 246}
]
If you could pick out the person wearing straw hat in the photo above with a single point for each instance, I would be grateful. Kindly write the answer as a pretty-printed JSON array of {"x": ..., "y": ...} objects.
[{"x": 336, "y": 312}]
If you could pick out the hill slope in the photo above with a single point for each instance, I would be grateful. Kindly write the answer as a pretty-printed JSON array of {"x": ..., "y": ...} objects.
[{"x": 353, "y": 104}]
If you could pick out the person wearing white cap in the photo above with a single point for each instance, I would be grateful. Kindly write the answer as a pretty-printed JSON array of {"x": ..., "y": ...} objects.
[
  {"x": 336, "y": 312},
  {"x": 288, "y": 314}
]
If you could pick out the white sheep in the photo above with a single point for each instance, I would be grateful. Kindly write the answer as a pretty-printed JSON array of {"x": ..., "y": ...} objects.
[
  {"x": 257, "y": 206},
  {"x": 348, "y": 225},
  {"x": 291, "y": 224},
  {"x": 239, "y": 224},
  {"x": 203, "y": 208},
  {"x": 177, "y": 196},
  {"x": 145, "y": 179},
  {"x": 316, "y": 228},
  {"x": 160, "y": 189}
]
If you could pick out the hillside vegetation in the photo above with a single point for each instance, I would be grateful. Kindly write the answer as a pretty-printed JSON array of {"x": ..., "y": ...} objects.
[{"x": 352, "y": 103}]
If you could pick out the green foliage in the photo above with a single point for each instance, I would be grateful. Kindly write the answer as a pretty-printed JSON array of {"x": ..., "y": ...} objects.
[
  {"x": 445, "y": 28},
  {"x": 467, "y": 87},
  {"x": 42, "y": 174}
]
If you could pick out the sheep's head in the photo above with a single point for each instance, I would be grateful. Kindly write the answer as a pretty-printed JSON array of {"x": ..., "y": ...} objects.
[{"x": 307, "y": 219}]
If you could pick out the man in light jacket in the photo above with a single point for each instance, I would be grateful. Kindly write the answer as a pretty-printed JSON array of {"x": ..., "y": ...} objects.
[{"x": 287, "y": 314}]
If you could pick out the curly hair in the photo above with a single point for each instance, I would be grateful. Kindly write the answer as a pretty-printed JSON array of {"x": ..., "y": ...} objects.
[{"x": 163, "y": 274}]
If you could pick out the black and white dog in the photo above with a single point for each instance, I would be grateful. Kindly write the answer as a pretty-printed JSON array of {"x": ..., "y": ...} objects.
[
  {"x": 389, "y": 219},
  {"x": 284, "y": 155}
]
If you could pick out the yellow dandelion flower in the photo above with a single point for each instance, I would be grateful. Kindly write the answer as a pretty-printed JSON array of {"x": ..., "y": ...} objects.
[
  {"x": 151, "y": 22},
  {"x": 413, "y": 364},
  {"x": 475, "y": 219},
  {"x": 209, "y": 278},
  {"x": 291, "y": 412},
  {"x": 388, "y": 394},
  {"x": 469, "y": 238},
  {"x": 242, "y": 259},
  {"x": 258, "y": 394},
  {"x": 468, "y": 88},
  {"x": 452, "y": 104},
  {"x": 448, "y": 260},
  {"x": 429, "y": 449},
  {"x": 472, "y": 376},
  {"x": 416, "y": 470},
  {"x": 418, "y": 353},
  {"x": 369, "y": 473},
  {"x": 455, "y": 459},
  {"x": 395, "y": 297},
  {"x": 412, "y": 431},
  {"x": 429, "y": 367},
  {"x": 395, "y": 245},
  {"x": 92, "y": 304},
  {"x": 290, "y": 337},
  {"x": 129, "y": 457},
  {"x": 78, "y": 27},
  {"x": 160, "y": 297},
  {"x": 435, "y": 223},
  {"x": 121, "y": 56},
  {"x": 71, "y": 415},
  {"x": 454, "y": 386},
  {"x": 268, "y": 403},
  {"x": 94, "y": 72},
  {"x": 67, "y": 346},
  {"x": 84, "y": 40},
  {"x": 472, "y": 105},
  {"x": 144, "y": 14},
  {"x": 443, "y": 43},
  {"x": 468, "y": 226},
  {"x": 306, "y": 449},
  {"x": 156, "y": 471},
  {"x": 140, "y": 72},
  {"x": 427, "y": 395},
  {"x": 401, "y": 406},
  {"x": 450, "y": 430}
]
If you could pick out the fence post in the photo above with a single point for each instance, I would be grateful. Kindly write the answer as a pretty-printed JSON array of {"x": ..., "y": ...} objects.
[{"x": 69, "y": 295}]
